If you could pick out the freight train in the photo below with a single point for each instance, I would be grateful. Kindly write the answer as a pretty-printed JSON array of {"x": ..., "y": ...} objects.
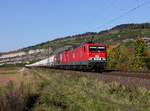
[{"x": 88, "y": 56}]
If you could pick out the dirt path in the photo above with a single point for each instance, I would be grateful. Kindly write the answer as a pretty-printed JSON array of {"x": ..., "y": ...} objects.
[
  {"x": 4, "y": 79},
  {"x": 9, "y": 74}
]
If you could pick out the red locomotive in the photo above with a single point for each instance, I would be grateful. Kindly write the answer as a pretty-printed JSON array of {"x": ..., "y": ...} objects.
[{"x": 88, "y": 56}]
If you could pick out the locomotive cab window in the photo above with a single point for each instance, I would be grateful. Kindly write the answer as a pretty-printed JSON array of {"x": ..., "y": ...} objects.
[
  {"x": 100, "y": 49},
  {"x": 92, "y": 49},
  {"x": 96, "y": 49}
]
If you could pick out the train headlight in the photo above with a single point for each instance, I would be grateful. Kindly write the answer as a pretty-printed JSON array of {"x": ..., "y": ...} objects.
[{"x": 104, "y": 59}]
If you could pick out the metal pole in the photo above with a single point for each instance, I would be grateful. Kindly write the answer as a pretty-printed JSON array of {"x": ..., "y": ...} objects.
[{"x": 48, "y": 62}]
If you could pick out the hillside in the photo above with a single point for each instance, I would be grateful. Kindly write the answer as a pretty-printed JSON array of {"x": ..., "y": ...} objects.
[
  {"x": 114, "y": 35},
  {"x": 121, "y": 34}
]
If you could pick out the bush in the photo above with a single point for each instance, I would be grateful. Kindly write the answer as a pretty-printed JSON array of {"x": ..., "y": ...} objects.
[
  {"x": 20, "y": 96},
  {"x": 138, "y": 64},
  {"x": 12, "y": 99},
  {"x": 127, "y": 58}
]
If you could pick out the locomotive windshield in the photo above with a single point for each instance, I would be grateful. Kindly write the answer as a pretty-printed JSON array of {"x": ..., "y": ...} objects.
[{"x": 96, "y": 49}]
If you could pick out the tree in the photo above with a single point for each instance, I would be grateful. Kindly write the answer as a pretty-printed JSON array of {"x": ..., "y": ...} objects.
[{"x": 139, "y": 64}]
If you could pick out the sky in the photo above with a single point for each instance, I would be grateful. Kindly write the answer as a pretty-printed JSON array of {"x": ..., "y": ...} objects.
[{"x": 28, "y": 22}]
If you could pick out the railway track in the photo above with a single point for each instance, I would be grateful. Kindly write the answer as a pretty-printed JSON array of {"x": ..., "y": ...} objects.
[
  {"x": 129, "y": 79},
  {"x": 127, "y": 74},
  {"x": 144, "y": 75}
]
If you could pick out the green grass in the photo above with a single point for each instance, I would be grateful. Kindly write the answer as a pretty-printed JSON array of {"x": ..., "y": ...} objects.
[
  {"x": 56, "y": 90},
  {"x": 1, "y": 90},
  {"x": 147, "y": 61},
  {"x": 69, "y": 93}
]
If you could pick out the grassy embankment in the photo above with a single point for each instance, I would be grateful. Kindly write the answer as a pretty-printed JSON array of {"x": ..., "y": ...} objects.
[{"x": 51, "y": 90}]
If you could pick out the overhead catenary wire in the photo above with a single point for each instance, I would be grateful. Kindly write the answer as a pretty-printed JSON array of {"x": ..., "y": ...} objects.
[
  {"x": 126, "y": 13},
  {"x": 112, "y": 3}
]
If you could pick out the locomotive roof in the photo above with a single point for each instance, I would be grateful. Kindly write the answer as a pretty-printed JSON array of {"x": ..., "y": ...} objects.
[
  {"x": 84, "y": 44},
  {"x": 98, "y": 44}
]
